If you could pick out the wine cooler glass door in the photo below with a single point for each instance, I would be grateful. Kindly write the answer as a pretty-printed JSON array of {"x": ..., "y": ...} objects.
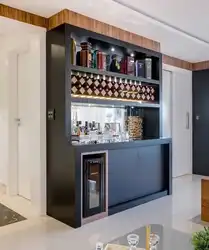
[{"x": 93, "y": 187}]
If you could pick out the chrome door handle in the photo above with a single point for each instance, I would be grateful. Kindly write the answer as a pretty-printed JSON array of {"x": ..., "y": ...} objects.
[
  {"x": 17, "y": 121},
  {"x": 187, "y": 120}
]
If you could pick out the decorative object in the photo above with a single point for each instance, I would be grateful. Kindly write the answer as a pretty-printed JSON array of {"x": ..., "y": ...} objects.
[{"x": 200, "y": 240}]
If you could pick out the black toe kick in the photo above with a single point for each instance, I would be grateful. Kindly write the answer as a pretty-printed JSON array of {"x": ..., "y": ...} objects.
[{"x": 136, "y": 202}]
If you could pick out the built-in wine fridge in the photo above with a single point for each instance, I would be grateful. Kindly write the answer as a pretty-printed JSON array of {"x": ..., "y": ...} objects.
[{"x": 93, "y": 184}]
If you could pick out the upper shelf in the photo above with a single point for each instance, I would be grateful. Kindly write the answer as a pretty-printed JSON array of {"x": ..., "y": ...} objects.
[{"x": 113, "y": 74}]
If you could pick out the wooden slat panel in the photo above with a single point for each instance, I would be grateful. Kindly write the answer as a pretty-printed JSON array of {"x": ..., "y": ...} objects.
[
  {"x": 177, "y": 62},
  {"x": 205, "y": 200},
  {"x": 201, "y": 65},
  {"x": 23, "y": 16},
  {"x": 73, "y": 18}
]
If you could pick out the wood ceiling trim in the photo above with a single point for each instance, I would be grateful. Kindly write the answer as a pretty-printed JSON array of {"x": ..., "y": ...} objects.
[
  {"x": 200, "y": 65},
  {"x": 76, "y": 19},
  {"x": 177, "y": 62},
  {"x": 23, "y": 16},
  {"x": 73, "y": 18}
]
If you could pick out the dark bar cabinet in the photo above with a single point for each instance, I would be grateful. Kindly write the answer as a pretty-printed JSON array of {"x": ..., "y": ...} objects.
[{"x": 105, "y": 152}]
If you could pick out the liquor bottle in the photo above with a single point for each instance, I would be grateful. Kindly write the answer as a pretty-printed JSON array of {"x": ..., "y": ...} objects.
[
  {"x": 130, "y": 65},
  {"x": 115, "y": 65},
  {"x": 86, "y": 54},
  {"x": 148, "y": 68},
  {"x": 73, "y": 51},
  {"x": 139, "y": 68},
  {"x": 86, "y": 129}
]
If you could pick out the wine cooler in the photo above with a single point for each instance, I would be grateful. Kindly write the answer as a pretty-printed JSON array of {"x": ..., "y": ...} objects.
[{"x": 93, "y": 184}]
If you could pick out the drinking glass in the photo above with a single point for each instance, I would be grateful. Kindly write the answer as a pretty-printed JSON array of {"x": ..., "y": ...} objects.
[
  {"x": 133, "y": 240},
  {"x": 99, "y": 246},
  {"x": 154, "y": 241}
]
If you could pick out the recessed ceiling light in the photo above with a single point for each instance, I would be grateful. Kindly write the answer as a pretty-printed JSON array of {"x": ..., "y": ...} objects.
[
  {"x": 132, "y": 54},
  {"x": 112, "y": 49}
]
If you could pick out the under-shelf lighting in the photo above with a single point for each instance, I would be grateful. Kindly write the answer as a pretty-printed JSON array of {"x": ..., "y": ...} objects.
[{"x": 109, "y": 98}]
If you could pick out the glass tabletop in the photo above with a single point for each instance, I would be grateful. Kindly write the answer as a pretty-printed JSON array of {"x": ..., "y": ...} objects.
[{"x": 170, "y": 239}]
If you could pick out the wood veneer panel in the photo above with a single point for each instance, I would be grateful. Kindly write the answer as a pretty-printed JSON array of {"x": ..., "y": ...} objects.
[
  {"x": 73, "y": 18},
  {"x": 23, "y": 16},
  {"x": 205, "y": 200},
  {"x": 177, "y": 62},
  {"x": 201, "y": 65}
]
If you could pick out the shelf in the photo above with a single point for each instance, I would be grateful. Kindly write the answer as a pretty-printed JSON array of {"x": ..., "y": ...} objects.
[
  {"x": 113, "y": 74},
  {"x": 111, "y": 102}
]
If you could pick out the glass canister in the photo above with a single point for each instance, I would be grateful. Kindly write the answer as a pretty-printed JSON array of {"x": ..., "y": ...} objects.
[{"x": 134, "y": 123}]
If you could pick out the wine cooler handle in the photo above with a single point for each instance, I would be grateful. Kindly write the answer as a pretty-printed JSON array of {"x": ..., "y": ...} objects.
[{"x": 187, "y": 120}]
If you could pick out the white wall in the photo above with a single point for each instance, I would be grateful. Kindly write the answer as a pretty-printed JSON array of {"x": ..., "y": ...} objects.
[
  {"x": 11, "y": 45},
  {"x": 3, "y": 117},
  {"x": 181, "y": 105}
]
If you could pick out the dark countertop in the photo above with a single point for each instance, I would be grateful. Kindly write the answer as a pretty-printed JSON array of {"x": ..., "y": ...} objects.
[{"x": 121, "y": 145}]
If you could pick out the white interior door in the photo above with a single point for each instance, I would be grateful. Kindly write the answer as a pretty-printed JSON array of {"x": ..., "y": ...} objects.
[
  {"x": 182, "y": 122},
  {"x": 177, "y": 120},
  {"x": 24, "y": 131}
]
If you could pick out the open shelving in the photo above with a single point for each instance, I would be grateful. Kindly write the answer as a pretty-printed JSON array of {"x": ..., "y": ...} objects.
[{"x": 113, "y": 74}]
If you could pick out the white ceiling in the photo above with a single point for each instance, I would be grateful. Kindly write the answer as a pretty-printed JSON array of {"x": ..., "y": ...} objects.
[{"x": 180, "y": 26}]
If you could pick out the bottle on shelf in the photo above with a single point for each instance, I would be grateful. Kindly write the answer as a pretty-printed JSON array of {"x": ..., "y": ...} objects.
[
  {"x": 86, "y": 54},
  {"x": 86, "y": 129},
  {"x": 148, "y": 68},
  {"x": 73, "y": 51}
]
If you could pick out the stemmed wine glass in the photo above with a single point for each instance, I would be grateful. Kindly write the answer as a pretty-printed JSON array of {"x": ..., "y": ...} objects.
[
  {"x": 133, "y": 240},
  {"x": 154, "y": 241}
]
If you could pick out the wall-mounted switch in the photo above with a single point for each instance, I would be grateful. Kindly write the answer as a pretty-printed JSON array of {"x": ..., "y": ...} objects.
[{"x": 51, "y": 114}]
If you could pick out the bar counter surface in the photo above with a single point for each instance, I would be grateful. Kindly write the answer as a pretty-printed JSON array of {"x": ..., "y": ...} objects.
[{"x": 138, "y": 171}]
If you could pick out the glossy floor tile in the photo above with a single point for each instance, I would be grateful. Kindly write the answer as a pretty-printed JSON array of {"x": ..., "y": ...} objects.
[
  {"x": 173, "y": 212},
  {"x": 17, "y": 203}
]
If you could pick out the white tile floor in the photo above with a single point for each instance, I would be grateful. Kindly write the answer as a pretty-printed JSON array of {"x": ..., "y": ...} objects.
[{"x": 47, "y": 234}]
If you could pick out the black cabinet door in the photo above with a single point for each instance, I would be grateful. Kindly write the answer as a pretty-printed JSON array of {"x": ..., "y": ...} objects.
[
  {"x": 201, "y": 122},
  {"x": 134, "y": 173}
]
